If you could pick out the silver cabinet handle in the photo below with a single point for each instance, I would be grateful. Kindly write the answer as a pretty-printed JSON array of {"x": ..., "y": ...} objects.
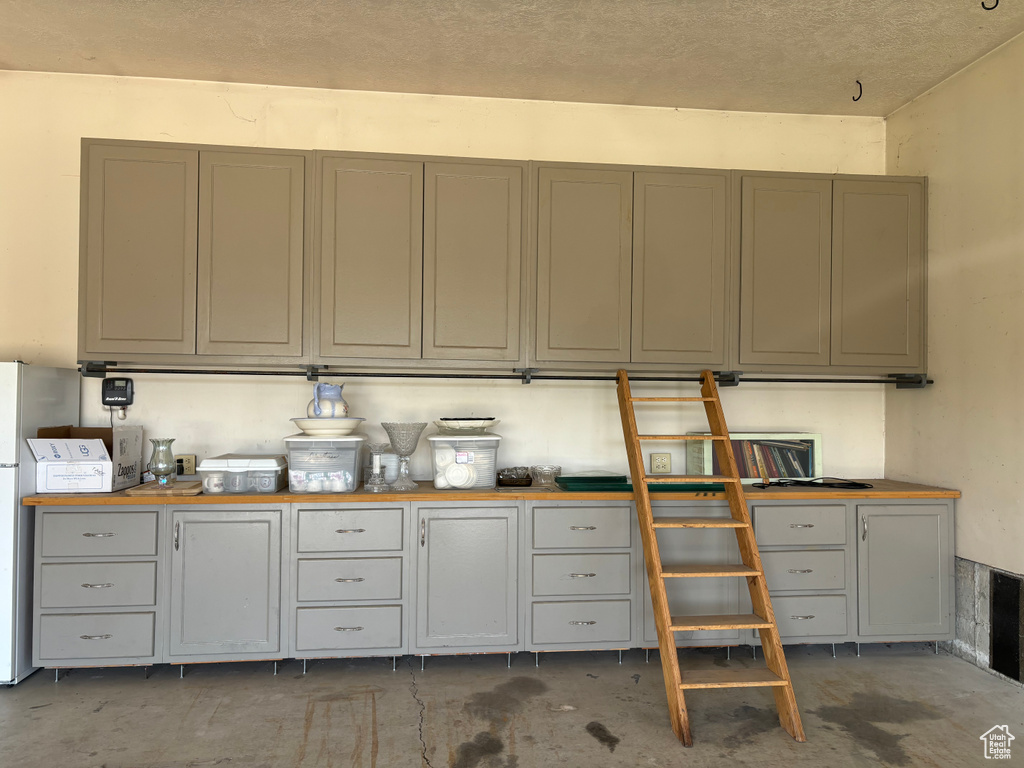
[
  {"x": 582, "y": 623},
  {"x": 351, "y": 530},
  {"x": 350, "y": 581},
  {"x": 582, "y": 575},
  {"x": 582, "y": 527},
  {"x": 864, "y": 522},
  {"x": 802, "y": 618},
  {"x": 95, "y": 637},
  {"x": 99, "y": 535},
  {"x": 423, "y": 532},
  {"x": 98, "y": 586},
  {"x": 801, "y": 570},
  {"x": 177, "y": 530},
  {"x": 801, "y": 525},
  {"x": 348, "y": 629}
]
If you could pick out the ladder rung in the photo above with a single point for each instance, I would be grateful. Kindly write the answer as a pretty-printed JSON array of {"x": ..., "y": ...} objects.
[
  {"x": 671, "y": 399},
  {"x": 680, "y": 437},
  {"x": 698, "y": 522},
  {"x": 691, "y": 479},
  {"x": 727, "y": 621},
  {"x": 707, "y": 571},
  {"x": 729, "y": 678}
]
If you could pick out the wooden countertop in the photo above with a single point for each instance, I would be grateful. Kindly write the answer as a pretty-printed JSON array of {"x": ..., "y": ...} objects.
[{"x": 882, "y": 489}]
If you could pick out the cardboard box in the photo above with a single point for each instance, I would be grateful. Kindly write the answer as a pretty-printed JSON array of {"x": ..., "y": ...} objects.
[{"x": 87, "y": 459}]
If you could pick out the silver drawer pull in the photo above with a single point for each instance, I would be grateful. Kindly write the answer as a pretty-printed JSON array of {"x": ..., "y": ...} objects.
[
  {"x": 98, "y": 535},
  {"x": 801, "y": 570},
  {"x": 801, "y": 525},
  {"x": 582, "y": 575},
  {"x": 802, "y": 618},
  {"x": 95, "y": 637},
  {"x": 582, "y": 527},
  {"x": 98, "y": 586},
  {"x": 348, "y": 629},
  {"x": 350, "y": 581},
  {"x": 582, "y": 623},
  {"x": 351, "y": 530}
]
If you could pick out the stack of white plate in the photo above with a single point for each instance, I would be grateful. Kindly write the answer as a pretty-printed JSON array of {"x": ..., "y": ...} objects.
[{"x": 453, "y": 470}]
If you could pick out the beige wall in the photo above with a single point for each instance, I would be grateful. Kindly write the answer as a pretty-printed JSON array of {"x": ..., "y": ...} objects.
[
  {"x": 967, "y": 431},
  {"x": 45, "y": 117}
]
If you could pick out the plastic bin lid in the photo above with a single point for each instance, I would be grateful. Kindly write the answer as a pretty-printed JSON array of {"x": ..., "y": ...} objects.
[
  {"x": 324, "y": 438},
  {"x": 450, "y": 438},
  {"x": 244, "y": 461}
]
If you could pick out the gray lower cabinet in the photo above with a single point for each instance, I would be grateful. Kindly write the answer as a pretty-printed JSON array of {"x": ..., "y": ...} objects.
[
  {"x": 467, "y": 577},
  {"x": 225, "y": 582}
]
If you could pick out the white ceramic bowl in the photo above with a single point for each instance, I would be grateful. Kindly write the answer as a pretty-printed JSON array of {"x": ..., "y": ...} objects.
[{"x": 335, "y": 427}]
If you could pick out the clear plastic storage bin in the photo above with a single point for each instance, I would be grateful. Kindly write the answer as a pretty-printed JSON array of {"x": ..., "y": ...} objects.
[
  {"x": 243, "y": 473},
  {"x": 464, "y": 463},
  {"x": 324, "y": 464}
]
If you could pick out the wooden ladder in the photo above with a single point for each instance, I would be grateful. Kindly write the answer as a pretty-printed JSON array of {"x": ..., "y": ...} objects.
[{"x": 776, "y": 673}]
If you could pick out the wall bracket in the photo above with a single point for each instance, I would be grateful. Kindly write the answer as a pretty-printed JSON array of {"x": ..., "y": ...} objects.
[
  {"x": 526, "y": 373},
  {"x": 910, "y": 380},
  {"x": 94, "y": 370},
  {"x": 313, "y": 372}
]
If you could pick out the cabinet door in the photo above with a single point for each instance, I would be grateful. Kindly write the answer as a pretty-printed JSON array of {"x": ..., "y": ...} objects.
[
  {"x": 785, "y": 268},
  {"x": 251, "y": 242},
  {"x": 467, "y": 577},
  {"x": 679, "y": 268},
  {"x": 472, "y": 258},
  {"x": 905, "y": 569},
  {"x": 138, "y": 264},
  {"x": 225, "y": 582},
  {"x": 584, "y": 264},
  {"x": 878, "y": 274},
  {"x": 370, "y": 278}
]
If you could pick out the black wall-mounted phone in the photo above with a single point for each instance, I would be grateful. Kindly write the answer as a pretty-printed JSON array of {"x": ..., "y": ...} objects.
[{"x": 118, "y": 393}]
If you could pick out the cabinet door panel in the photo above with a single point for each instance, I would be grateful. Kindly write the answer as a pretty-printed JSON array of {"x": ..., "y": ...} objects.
[
  {"x": 138, "y": 278},
  {"x": 877, "y": 274},
  {"x": 679, "y": 268},
  {"x": 785, "y": 270},
  {"x": 371, "y": 258},
  {"x": 473, "y": 218},
  {"x": 251, "y": 244},
  {"x": 584, "y": 265}
]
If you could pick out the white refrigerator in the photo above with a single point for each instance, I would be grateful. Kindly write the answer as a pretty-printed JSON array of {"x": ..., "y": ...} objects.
[{"x": 30, "y": 397}]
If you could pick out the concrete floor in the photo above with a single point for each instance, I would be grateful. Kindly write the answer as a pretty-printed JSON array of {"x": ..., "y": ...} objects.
[{"x": 898, "y": 705}]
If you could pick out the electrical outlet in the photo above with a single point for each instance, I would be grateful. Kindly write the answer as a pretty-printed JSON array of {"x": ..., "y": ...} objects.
[
  {"x": 186, "y": 464},
  {"x": 661, "y": 463}
]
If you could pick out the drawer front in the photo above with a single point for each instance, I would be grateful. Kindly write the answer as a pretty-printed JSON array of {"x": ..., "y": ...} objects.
[
  {"x": 581, "y": 574},
  {"x": 799, "y": 525},
  {"x": 351, "y": 579},
  {"x": 96, "y": 636},
  {"x": 564, "y": 528},
  {"x": 597, "y": 621},
  {"x": 340, "y": 629},
  {"x": 820, "y": 615},
  {"x": 350, "y": 530},
  {"x": 98, "y": 534},
  {"x": 93, "y": 585},
  {"x": 804, "y": 569}
]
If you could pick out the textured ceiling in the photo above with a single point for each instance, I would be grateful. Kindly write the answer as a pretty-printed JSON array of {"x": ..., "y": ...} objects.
[{"x": 752, "y": 55}]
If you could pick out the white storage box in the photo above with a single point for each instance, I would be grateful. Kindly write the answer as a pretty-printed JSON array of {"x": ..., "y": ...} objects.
[
  {"x": 464, "y": 463},
  {"x": 243, "y": 473},
  {"x": 324, "y": 464},
  {"x": 85, "y": 469}
]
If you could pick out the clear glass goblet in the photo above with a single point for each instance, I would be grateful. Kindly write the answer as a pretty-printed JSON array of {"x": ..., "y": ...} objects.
[
  {"x": 404, "y": 436},
  {"x": 375, "y": 482}
]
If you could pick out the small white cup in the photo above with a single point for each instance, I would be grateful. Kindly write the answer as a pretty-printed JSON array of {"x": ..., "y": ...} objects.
[{"x": 213, "y": 482}]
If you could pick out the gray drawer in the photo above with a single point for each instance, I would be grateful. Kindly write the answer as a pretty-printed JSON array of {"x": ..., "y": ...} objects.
[
  {"x": 94, "y": 585},
  {"x": 804, "y": 569},
  {"x": 606, "y": 574},
  {"x": 96, "y": 636},
  {"x": 350, "y": 530},
  {"x": 800, "y": 524},
  {"x": 378, "y": 578},
  {"x": 98, "y": 534},
  {"x": 582, "y": 622},
  {"x": 813, "y": 616},
  {"x": 340, "y": 629},
  {"x": 568, "y": 527}
]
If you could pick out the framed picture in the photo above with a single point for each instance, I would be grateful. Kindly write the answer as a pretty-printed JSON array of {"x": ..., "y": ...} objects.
[{"x": 761, "y": 454}]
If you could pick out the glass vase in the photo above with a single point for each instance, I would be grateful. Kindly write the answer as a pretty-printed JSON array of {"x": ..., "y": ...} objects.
[{"x": 161, "y": 463}]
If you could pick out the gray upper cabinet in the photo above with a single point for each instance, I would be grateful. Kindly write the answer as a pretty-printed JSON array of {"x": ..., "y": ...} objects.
[
  {"x": 680, "y": 268},
  {"x": 584, "y": 264},
  {"x": 251, "y": 219},
  {"x": 878, "y": 274},
  {"x": 369, "y": 282},
  {"x": 785, "y": 268},
  {"x": 472, "y": 261},
  {"x": 138, "y": 264}
]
